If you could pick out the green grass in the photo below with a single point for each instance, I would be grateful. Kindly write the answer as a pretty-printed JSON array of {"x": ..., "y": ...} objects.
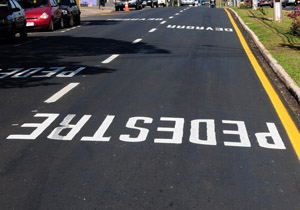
[{"x": 276, "y": 38}]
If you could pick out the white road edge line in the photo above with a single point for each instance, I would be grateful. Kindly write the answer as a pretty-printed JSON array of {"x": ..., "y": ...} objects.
[
  {"x": 136, "y": 41},
  {"x": 152, "y": 30},
  {"x": 61, "y": 93},
  {"x": 111, "y": 58}
]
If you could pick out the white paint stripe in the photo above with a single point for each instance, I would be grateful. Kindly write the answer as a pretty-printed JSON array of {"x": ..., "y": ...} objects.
[
  {"x": 177, "y": 14},
  {"x": 61, "y": 93},
  {"x": 136, "y": 41},
  {"x": 163, "y": 22},
  {"x": 171, "y": 17},
  {"x": 152, "y": 30},
  {"x": 111, "y": 58}
]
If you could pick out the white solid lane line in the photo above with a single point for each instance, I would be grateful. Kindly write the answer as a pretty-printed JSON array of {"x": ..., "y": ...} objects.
[
  {"x": 136, "y": 41},
  {"x": 61, "y": 93},
  {"x": 111, "y": 58},
  {"x": 152, "y": 30}
]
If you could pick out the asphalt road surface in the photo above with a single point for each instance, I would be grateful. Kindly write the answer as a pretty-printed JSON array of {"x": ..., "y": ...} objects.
[{"x": 153, "y": 109}]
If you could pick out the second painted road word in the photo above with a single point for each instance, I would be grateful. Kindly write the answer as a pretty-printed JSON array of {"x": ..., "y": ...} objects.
[
  {"x": 200, "y": 28},
  {"x": 201, "y": 131}
]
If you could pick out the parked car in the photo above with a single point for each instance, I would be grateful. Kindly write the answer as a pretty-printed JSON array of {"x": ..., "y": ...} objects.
[
  {"x": 120, "y": 4},
  {"x": 12, "y": 20},
  {"x": 148, "y": 3},
  {"x": 162, "y": 3},
  {"x": 187, "y": 2},
  {"x": 283, "y": 2},
  {"x": 42, "y": 14},
  {"x": 71, "y": 12},
  {"x": 265, "y": 3}
]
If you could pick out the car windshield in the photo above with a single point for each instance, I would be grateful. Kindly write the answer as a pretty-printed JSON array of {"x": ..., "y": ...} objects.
[{"x": 34, "y": 3}]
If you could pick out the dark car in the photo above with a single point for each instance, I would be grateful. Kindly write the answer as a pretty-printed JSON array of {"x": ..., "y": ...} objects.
[
  {"x": 148, "y": 3},
  {"x": 12, "y": 20},
  {"x": 120, "y": 4},
  {"x": 42, "y": 14},
  {"x": 71, "y": 12}
]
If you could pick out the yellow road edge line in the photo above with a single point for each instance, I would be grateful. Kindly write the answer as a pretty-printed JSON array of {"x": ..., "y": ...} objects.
[{"x": 286, "y": 120}]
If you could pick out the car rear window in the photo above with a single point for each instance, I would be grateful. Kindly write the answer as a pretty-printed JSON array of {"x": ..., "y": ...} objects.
[{"x": 34, "y": 3}]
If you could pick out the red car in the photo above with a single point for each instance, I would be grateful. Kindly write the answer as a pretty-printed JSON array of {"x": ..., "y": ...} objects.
[{"x": 42, "y": 14}]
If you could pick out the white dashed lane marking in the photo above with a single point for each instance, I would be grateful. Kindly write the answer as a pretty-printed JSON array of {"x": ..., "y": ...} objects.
[
  {"x": 111, "y": 58},
  {"x": 152, "y": 30},
  {"x": 61, "y": 93},
  {"x": 136, "y": 41}
]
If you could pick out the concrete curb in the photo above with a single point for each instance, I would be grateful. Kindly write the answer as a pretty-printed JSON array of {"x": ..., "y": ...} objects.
[
  {"x": 278, "y": 69},
  {"x": 95, "y": 10}
]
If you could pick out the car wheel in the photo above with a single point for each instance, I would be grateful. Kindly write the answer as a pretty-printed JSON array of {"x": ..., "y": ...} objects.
[
  {"x": 51, "y": 26},
  {"x": 117, "y": 8},
  {"x": 23, "y": 33},
  {"x": 157, "y": 5},
  {"x": 71, "y": 23},
  {"x": 12, "y": 34}
]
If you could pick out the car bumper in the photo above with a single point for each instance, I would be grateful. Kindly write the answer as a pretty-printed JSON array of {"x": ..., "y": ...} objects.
[{"x": 35, "y": 23}]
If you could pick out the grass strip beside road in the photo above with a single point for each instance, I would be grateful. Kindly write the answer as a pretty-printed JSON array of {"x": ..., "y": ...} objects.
[{"x": 276, "y": 37}]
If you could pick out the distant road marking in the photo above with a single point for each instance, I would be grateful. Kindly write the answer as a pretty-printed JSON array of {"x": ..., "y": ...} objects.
[
  {"x": 61, "y": 93},
  {"x": 152, "y": 30},
  {"x": 136, "y": 41},
  {"x": 177, "y": 14},
  {"x": 163, "y": 22},
  {"x": 286, "y": 120},
  {"x": 171, "y": 17},
  {"x": 111, "y": 58}
]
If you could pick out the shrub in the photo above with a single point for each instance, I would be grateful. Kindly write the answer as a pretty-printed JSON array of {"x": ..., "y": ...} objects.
[{"x": 295, "y": 15}]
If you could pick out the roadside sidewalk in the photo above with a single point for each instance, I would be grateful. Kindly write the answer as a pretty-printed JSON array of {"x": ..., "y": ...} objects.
[{"x": 90, "y": 11}]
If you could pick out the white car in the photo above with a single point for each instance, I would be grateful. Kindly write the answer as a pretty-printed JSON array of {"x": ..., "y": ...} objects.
[{"x": 187, "y": 2}]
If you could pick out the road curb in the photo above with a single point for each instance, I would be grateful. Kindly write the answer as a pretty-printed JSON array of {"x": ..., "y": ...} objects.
[{"x": 278, "y": 69}]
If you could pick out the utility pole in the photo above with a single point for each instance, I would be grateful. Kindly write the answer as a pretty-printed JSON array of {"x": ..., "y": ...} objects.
[
  {"x": 277, "y": 10},
  {"x": 254, "y": 4}
]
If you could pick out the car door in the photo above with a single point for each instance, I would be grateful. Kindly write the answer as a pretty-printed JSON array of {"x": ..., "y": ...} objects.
[
  {"x": 55, "y": 10},
  {"x": 20, "y": 17},
  {"x": 14, "y": 15}
]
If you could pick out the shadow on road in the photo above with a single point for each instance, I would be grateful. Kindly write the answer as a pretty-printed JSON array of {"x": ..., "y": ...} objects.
[{"x": 65, "y": 51}]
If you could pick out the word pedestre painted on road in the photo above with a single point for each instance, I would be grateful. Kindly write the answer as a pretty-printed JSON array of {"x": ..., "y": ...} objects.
[
  {"x": 202, "y": 131},
  {"x": 200, "y": 28}
]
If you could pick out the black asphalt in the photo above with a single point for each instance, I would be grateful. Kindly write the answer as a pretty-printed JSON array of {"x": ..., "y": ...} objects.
[{"x": 173, "y": 74}]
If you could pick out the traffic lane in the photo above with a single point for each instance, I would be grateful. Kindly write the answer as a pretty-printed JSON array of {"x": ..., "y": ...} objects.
[{"x": 135, "y": 86}]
